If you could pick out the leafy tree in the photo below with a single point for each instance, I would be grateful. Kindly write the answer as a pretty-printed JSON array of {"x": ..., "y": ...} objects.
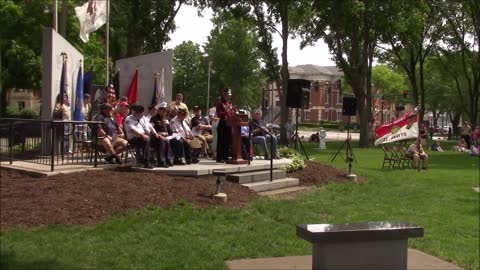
[
  {"x": 190, "y": 73},
  {"x": 351, "y": 29},
  {"x": 461, "y": 53},
  {"x": 412, "y": 37},
  {"x": 268, "y": 14},
  {"x": 140, "y": 27},
  {"x": 21, "y": 43},
  {"x": 232, "y": 47},
  {"x": 389, "y": 82}
]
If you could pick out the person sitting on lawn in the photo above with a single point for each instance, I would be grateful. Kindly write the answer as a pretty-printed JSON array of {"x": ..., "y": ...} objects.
[
  {"x": 198, "y": 129},
  {"x": 139, "y": 132},
  {"x": 182, "y": 137},
  {"x": 113, "y": 138},
  {"x": 461, "y": 146},
  {"x": 260, "y": 135},
  {"x": 417, "y": 154},
  {"x": 436, "y": 146}
]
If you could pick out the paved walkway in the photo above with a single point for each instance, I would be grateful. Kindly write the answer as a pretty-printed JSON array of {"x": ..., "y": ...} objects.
[{"x": 416, "y": 260}]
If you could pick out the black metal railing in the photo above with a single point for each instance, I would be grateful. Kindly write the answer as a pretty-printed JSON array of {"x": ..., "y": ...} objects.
[
  {"x": 271, "y": 146},
  {"x": 49, "y": 142}
]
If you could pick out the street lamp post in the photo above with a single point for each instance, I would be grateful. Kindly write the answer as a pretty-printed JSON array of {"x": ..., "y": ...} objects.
[{"x": 208, "y": 85}]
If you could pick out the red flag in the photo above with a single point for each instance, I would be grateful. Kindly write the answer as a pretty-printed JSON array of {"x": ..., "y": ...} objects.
[
  {"x": 133, "y": 89},
  {"x": 403, "y": 128}
]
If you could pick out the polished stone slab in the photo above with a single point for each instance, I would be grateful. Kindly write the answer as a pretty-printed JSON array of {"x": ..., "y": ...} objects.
[{"x": 365, "y": 231}]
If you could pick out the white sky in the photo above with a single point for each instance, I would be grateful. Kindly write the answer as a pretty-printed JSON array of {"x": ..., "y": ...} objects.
[{"x": 194, "y": 28}]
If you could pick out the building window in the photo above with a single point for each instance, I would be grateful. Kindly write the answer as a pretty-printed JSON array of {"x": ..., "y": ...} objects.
[
  {"x": 339, "y": 98},
  {"x": 306, "y": 115},
  {"x": 21, "y": 105},
  {"x": 339, "y": 116}
]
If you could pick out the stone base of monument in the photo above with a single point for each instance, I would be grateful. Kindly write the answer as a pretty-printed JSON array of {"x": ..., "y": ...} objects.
[
  {"x": 220, "y": 197},
  {"x": 351, "y": 177},
  {"x": 369, "y": 245}
]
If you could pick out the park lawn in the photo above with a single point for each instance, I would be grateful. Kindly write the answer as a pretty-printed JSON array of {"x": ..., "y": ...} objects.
[{"x": 439, "y": 199}]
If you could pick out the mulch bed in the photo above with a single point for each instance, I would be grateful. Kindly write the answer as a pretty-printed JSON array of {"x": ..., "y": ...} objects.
[
  {"x": 318, "y": 174},
  {"x": 89, "y": 197}
]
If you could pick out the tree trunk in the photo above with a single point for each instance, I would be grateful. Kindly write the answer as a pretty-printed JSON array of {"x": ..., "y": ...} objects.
[{"x": 284, "y": 73}]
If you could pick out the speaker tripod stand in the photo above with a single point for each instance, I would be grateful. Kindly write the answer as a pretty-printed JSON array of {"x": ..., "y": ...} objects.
[
  {"x": 349, "y": 155},
  {"x": 296, "y": 139}
]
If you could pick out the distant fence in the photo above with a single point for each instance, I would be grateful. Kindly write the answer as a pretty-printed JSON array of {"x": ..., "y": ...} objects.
[{"x": 49, "y": 142}]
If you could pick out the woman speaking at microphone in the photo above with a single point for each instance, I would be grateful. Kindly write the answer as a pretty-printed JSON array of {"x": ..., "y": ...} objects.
[{"x": 225, "y": 110}]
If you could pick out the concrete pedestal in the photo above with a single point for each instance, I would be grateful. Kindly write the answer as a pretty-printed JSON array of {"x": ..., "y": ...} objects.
[
  {"x": 369, "y": 245},
  {"x": 220, "y": 197},
  {"x": 361, "y": 255}
]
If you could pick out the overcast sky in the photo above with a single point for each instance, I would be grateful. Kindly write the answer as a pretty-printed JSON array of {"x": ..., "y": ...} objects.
[{"x": 194, "y": 28}]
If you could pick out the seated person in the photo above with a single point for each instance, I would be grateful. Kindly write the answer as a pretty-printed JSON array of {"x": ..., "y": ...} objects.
[
  {"x": 181, "y": 138},
  {"x": 122, "y": 112},
  {"x": 113, "y": 138},
  {"x": 474, "y": 150},
  {"x": 436, "y": 146},
  {"x": 161, "y": 125},
  {"x": 151, "y": 112},
  {"x": 461, "y": 146},
  {"x": 199, "y": 128},
  {"x": 260, "y": 135},
  {"x": 139, "y": 133},
  {"x": 246, "y": 151},
  {"x": 314, "y": 137},
  {"x": 416, "y": 154}
]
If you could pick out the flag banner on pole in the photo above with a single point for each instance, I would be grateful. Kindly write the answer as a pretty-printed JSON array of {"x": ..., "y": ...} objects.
[
  {"x": 87, "y": 83},
  {"x": 156, "y": 92},
  {"x": 116, "y": 83},
  {"x": 92, "y": 15},
  {"x": 404, "y": 128},
  {"x": 78, "y": 113},
  {"x": 162, "y": 85},
  {"x": 64, "y": 85},
  {"x": 133, "y": 89}
]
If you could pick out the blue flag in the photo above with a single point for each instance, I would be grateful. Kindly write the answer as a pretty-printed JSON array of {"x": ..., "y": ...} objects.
[
  {"x": 87, "y": 83},
  {"x": 78, "y": 114}
]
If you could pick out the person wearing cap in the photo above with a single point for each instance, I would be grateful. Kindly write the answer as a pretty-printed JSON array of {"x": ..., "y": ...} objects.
[
  {"x": 198, "y": 129},
  {"x": 122, "y": 112},
  {"x": 140, "y": 133},
  {"x": 261, "y": 136},
  {"x": 161, "y": 144},
  {"x": 182, "y": 137},
  {"x": 111, "y": 135},
  {"x": 224, "y": 110},
  {"x": 178, "y": 102}
]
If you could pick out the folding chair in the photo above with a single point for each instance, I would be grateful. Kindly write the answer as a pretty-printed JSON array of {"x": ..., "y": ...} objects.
[{"x": 389, "y": 157}]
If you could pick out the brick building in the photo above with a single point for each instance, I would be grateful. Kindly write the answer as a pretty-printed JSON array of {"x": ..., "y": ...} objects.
[{"x": 325, "y": 96}]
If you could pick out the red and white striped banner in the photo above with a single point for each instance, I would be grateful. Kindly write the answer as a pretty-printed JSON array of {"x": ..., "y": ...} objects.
[{"x": 404, "y": 128}]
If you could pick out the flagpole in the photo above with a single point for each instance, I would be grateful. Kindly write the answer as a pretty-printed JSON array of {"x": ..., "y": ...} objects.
[
  {"x": 107, "y": 43},
  {"x": 208, "y": 86}
]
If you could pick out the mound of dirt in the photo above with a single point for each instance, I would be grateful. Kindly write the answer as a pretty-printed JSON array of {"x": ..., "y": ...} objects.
[
  {"x": 318, "y": 174},
  {"x": 91, "y": 196}
]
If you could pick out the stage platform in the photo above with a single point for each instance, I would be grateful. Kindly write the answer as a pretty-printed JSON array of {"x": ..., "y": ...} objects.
[{"x": 204, "y": 167}]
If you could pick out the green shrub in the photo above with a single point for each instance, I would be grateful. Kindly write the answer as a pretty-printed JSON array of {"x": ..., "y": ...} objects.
[{"x": 296, "y": 164}]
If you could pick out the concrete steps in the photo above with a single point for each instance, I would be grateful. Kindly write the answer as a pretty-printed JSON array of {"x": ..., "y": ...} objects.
[
  {"x": 255, "y": 176},
  {"x": 283, "y": 191},
  {"x": 272, "y": 185}
]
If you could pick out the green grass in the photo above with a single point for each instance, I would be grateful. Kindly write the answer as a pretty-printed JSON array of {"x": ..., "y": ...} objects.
[{"x": 439, "y": 199}]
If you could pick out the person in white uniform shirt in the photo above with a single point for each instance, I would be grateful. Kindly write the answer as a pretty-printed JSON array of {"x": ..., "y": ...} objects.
[
  {"x": 181, "y": 139},
  {"x": 138, "y": 131},
  {"x": 212, "y": 115}
]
